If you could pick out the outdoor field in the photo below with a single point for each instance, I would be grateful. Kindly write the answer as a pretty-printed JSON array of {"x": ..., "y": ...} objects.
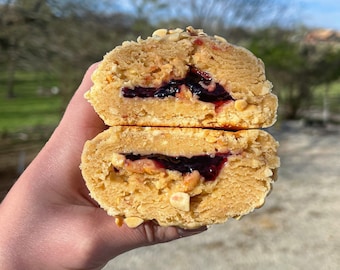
[
  {"x": 298, "y": 227},
  {"x": 26, "y": 122},
  {"x": 46, "y": 48}
]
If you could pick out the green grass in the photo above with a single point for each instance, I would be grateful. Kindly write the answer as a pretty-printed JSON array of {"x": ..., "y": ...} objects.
[
  {"x": 318, "y": 94},
  {"x": 28, "y": 108},
  {"x": 333, "y": 95}
]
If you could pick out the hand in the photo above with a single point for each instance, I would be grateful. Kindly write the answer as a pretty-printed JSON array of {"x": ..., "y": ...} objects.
[{"x": 48, "y": 220}]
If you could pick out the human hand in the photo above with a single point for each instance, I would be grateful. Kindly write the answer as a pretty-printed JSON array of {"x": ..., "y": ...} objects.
[{"x": 48, "y": 220}]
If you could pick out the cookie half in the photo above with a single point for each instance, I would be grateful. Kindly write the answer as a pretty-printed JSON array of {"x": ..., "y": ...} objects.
[
  {"x": 183, "y": 78},
  {"x": 187, "y": 177}
]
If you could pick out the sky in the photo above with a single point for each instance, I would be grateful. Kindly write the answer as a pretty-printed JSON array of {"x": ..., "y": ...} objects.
[
  {"x": 320, "y": 13},
  {"x": 311, "y": 13}
]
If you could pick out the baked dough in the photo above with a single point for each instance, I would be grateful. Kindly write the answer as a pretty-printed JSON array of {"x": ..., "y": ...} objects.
[
  {"x": 140, "y": 190},
  {"x": 168, "y": 56},
  {"x": 166, "y": 156}
]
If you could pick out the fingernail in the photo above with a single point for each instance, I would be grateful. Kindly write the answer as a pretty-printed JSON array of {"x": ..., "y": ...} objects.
[{"x": 188, "y": 232}]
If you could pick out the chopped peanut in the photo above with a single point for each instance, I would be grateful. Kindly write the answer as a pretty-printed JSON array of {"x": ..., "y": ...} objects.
[
  {"x": 117, "y": 160},
  {"x": 220, "y": 38},
  {"x": 160, "y": 32},
  {"x": 119, "y": 221},
  {"x": 143, "y": 166},
  {"x": 268, "y": 172},
  {"x": 133, "y": 222},
  {"x": 191, "y": 180},
  {"x": 180, "y": 201},
  {"x": 109, "y": 79},
  {"x": 185, "y": 93},
  {"x": 174, "y": 36},
  {"x": 240, "y": 104}
]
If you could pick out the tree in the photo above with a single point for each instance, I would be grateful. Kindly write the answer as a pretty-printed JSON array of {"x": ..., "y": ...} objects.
[
  {"x": 19, "y": 21},
  {"x": 145, "y": 14},
  {"x": 327, "y": 71},
  {"x": 215, "y": 16},
  {"x": 294, "y": 66},
  {"x": 63, "y": 37}
]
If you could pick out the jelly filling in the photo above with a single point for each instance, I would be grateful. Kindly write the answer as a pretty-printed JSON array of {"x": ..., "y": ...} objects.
[
  {"x": 208, "y": 166},
  {"x": 198, "y": 82}
]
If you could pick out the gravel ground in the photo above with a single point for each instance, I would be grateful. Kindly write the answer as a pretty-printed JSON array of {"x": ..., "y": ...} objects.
[{"x": 297, "y": 228}]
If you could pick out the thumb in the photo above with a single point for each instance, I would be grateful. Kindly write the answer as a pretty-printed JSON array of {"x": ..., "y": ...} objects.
[{"x": 117, "y": 240}]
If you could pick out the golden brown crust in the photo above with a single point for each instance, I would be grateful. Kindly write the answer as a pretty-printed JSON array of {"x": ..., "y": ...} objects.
[
  {"x": 138, "y": 191},
  {"x": 168, "y": 55}
]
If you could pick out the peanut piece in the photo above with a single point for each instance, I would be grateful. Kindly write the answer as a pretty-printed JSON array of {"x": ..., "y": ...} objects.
[
  {"x": 180, "y": 201},
  {"x": 220, "y": 38},
  {"x": 177, "y": 31},
  {"x": 119, "y": 221},
  {"x": 160, "y": 32},
  {"x": 240, "y": 105},
  {"x": 143, "y": 166},
  {"x": 109, "y": 79},
  {"x": 133, "y": 222},
  {"x": 268, "y": 172},
  {"x": 117, "y": 160},
  {"x": 211, "y": 139},
  {"x": 174, "y": 36},
  {"x": 191, "y": 180}
]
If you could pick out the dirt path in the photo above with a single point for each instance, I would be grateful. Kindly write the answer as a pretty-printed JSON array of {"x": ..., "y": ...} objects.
[{"x": 298, "y": 228}]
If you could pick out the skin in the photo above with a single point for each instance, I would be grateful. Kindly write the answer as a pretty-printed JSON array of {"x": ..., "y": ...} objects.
[{"x": 48, "y": 220}]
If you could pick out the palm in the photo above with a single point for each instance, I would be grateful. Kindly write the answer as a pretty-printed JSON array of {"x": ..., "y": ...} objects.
[{"x": 50, "y": 214}]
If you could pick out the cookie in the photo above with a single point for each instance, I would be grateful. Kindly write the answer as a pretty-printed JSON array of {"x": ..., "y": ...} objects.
[
  {"x": 183, "y": 78},
  {"x": 186, "y": 177}
]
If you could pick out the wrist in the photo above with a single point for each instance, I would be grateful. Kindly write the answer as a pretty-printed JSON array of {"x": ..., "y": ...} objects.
[
  {"x": 21, "y": 243},
  {"x": 11, "y": 244}
]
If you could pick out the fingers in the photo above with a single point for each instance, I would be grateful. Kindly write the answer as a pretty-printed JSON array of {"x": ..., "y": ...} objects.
[
  {"x": 79, "y": 110},
  {"x": 86, "y": 82},
  {"x": 79, "y": 124},
  {"x": 185, "y": 233},
  {"x": 152, "y": 233},
  {"x": 149, "y": 233},
  {"x": 80, "y": 120}
]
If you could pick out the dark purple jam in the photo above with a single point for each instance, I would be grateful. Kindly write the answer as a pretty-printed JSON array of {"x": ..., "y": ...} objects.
[
  {"x": 199, "y": 83},
  {"x": 208, "y": 166}
]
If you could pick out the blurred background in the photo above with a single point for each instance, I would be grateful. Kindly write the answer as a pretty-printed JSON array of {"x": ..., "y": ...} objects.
[{"x": 46, "y": 46}]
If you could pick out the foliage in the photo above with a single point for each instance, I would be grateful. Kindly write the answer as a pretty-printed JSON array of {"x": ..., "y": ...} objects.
[
  {"x": 34, "y": 105},
  {"x": 63, "y": 37},
  {"x": 295, "y": 66},
  {"x": 66, "y": 36}
]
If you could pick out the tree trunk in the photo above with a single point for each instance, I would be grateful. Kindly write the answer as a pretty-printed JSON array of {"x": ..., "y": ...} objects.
[
  {"x": 10, "y": 80},
  {"x": 11, "y": 68},
  {"x": 325, "y": 111}
]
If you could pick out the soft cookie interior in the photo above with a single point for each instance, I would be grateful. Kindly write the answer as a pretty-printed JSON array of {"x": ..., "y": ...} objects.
[
  {"x": 166, "y": 156},
  {"x": 127, "y": 171},
  {"x": 183, "y": 78}
]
